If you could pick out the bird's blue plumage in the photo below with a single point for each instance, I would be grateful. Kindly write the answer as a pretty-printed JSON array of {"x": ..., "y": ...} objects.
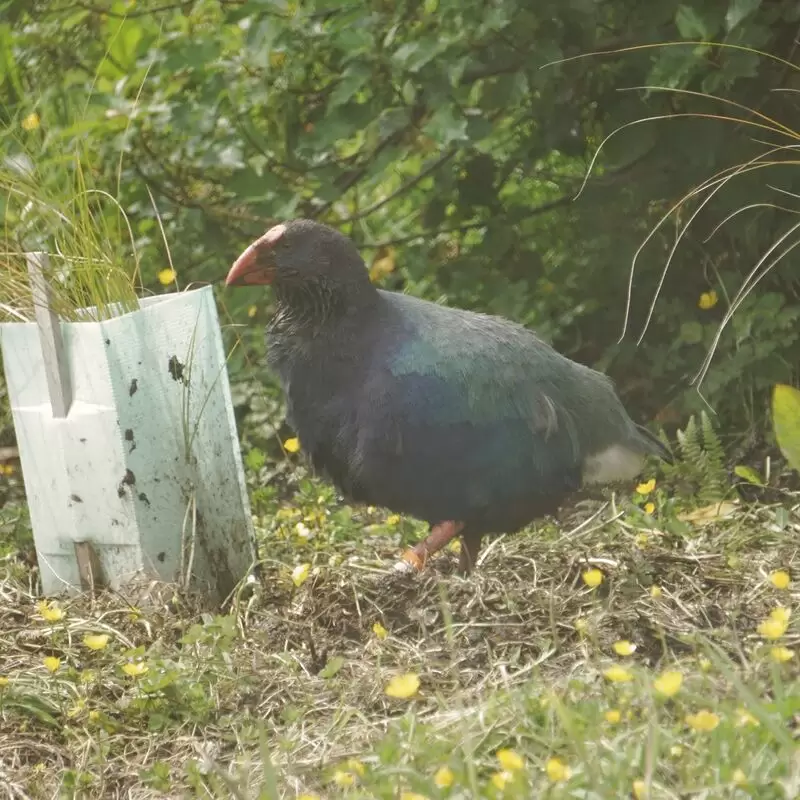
[
  {"x": 445, "y": 414},
  {"x": 440, "y": 413}
]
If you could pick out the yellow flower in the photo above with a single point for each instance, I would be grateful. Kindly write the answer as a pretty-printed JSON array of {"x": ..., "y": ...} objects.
[
  {"x": 393, "y": 519},
  {"x": 639, "y": 790},
  {"x": 592, "y": 577},
  {"x": 444, "y": 777},
  {"x": 300, "y": 574},
  {"x": 96, "y": 641},
  {"x": 31, "y": 122},
  {"x": 50, "y": 613},
  {"x": 94, "y": 715},
  {"x": 707, "y": 300},
  {"x": 613, "y": 716},
  {"x": 354, "y": 765},
  {"x": 704, "y": 720},
  {"x": 738, "y": 777},
  {"x": 771, "y": 628},
  {"x": 668, "y": 683},
  {"x": 510, "y": 760},
  {"x": 252, "y": 311},
  {"x": 4, "y": 681},
  {"x": 556, "y": 770},
  {"x": 403, "y": 687},
  {"x": 617, "y": 674},
  {"x": 649, "y": 508},
  {"x": 52, "y": 663},
  {"x": 624, "y": 647},
  {"x": 500, "y": 779},
  {"x": 135, "y": 668},
  {"x": 291, "y": 445},
  {"x": 412, "y": 796},
  {"x": 655, "y": 591},
  {"x": 646, "y": 487},
  {"x": 744, "y": 717},
  {"x": 343, "y": 779},
  {"x": 380, "y": 631},
  {"x": 780, "y": 613},
  {"x": 676, "y": 751},
  {"x": 704, "y": 663},
  {"x": 780, "y": 579},
  {"x": 166, "y": 276},
  {"x": 781, "y": 654}
]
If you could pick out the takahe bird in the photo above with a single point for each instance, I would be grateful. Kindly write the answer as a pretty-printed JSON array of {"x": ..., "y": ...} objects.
[{"x": 467, "y": 421}]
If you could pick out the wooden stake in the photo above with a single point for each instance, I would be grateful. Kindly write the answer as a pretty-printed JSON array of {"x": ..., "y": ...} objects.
[
  {"x": 55, "y": 362},
  {"x": 89, "y": 567}
]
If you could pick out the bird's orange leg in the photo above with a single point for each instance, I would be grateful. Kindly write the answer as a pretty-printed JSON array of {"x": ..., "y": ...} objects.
[{"x": 439, "y": 536}]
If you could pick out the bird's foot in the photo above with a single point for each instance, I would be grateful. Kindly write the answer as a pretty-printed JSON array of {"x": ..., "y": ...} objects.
[
  {"x": 415, "y": 558},
  {"x": 412, "y": 561},
  {"x": 405, "y": 567}
]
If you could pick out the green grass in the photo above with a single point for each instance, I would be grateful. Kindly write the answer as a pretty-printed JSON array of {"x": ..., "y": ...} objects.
[
  {"x": 52, "y": 201},
  {"x": 55, "y": 208},
  {"x": 284, "y": 694}
]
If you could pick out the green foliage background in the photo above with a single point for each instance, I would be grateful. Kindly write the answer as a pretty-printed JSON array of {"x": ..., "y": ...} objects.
[{"x": 440, "y": 134}]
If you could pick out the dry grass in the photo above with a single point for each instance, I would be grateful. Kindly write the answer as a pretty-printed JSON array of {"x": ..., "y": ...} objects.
[{"x": 305, "y": 667}]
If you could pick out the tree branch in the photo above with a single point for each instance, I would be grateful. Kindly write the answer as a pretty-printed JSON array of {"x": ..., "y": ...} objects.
[
  {"x": 443, "y": 158},
  {"x": 358, "y": 174},
  {"x": 466, "y": 226}
]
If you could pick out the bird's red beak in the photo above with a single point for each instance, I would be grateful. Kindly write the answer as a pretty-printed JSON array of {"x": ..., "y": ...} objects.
[{"x": 255, "y": 266}]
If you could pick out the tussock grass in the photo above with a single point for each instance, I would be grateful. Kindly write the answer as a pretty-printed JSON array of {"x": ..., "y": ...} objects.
[
  {"x": 56, "y": 208},
  {"x": 777, "y": 140},
  {"x": 283, "y": 695}
]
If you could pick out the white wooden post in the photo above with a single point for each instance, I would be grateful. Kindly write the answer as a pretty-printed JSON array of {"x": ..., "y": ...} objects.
[{"x": 53, "y": 356}]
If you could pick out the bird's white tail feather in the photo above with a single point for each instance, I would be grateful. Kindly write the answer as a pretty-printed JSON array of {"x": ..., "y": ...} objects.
[{"x": 615, "y": 463}]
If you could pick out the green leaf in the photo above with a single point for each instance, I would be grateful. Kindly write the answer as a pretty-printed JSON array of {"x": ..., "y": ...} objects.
[
  {"x": 739, "y": 10},
  {"x": 445, "y": 127},
  {"x": 353, "y": 79},
  {"x": 332, "y": 667},
  {"x": 415, "y": 55},
  {"x": 391, "y": 120},
  {"x": 692, "y": 332},
  {"x": 786, "y": 422},
  {"x": 748, "y": 474},
  {"x": 8, "y": 62},
  {"x": 124, "y": 47},
  {"x": 269, "y": 783},
  {"x": 255, "y": 459},
  {"x": 691, "y": 25},
  {"x": 676, "y": 66},
  {"x": 38, "y": 708}
]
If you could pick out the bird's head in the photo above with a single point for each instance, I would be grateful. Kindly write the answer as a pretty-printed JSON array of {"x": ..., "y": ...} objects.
[{"x": 300, "y": 255}]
